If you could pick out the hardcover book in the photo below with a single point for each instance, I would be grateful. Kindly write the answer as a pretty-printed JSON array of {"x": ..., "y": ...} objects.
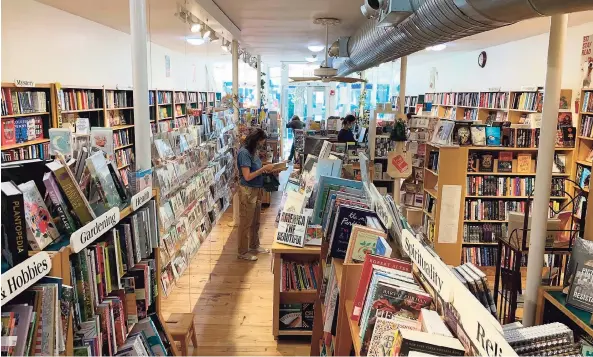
[
  {"x": 381, "y": 343},
  {"x": 493, "y": 136},
  {"x": 363, "y": 241},
  {"x": 407, "y": 342},
  {"x": 41, "y": 227},
  {"x": 478, "y": 134},
  {"x": 80, "y": 205},
  {"x": 292, "y": 229},
  {"x": 524, "y": 164},
  {"x": 8, "y": 132},
  {"x": 61, "y": 141},
  {"x": 68, "y": 223},
  {"x": 102, "y": 139},
  {"x": 486, "y": 162},
  {"x": 505, "y": 161},
  {"x": 581, "y": 289},
  {"x": 346, "y": 217},
  {"x": 98, "y": 168},
  {"x": 14, "y": 244}
]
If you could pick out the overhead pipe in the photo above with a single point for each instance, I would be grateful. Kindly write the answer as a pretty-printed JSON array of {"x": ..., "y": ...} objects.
[{"x": 439, "y": 21}]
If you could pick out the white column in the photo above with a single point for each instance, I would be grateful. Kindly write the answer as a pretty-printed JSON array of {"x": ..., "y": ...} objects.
[
  {"x": 545, "y": 157},
  {"x": 142, "y": 132},
  {"x": 402, "y": 113},
  {"x": 235, "y": 53},
  {"x": 258, "y": 92},
  {"x": 284, "y": 97}
]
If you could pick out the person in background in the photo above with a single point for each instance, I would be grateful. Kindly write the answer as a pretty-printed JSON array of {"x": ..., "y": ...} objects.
[
  {"x": 345, "y": 135},
  {"x": 251, "y": 184},
  {"x": 295, "y": 124}
]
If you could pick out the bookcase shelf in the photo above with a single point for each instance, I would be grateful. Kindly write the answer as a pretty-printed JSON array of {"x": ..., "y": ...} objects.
[
  {"x": 27, "y": 143},
  {"x": 24, "y": 115},
  {"x": 122, "y": 127}
]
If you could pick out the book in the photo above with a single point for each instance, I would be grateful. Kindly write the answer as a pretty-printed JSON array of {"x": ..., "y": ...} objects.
[
  {"x": 431, "y": 322},
  {"x": 410, "y": 341},
  {"x": 486, "y": 162},
  {"x": 102, "y": 139},
  {"x": 559, "y": 164},
  {"x": 524, "y": 164},
  {"x": 478, "y": 134},
  {"x": 462, "y": 134},
  {"x": 580, "y": 294},
  {"x": 14, "y": 241},
  {"x": 383, "y": 248},
  {"x": 68, "y": 223},
  {"x": 41, "y": 229},
  {"x": 61, "y": 141},
  {"x": 346, "y": 217},
  {"x": 362, "y": 241},
  {"x": 8, "y": 131},
  {"x": 98, "y": 167},
  {"x": 77, "y": 200},
  {"x": 505, "y": 161},
  {"x": 292, "y": 229},
  {"x": 582, "y": 252},
  {"x": 147, "y": 328},
  {"x": 381, "y": 343},
  {"x": 493, "y": 135}
]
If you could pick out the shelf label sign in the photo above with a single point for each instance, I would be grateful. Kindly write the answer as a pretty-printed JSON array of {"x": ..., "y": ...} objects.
[
  {"x": 23, "y": 83},
  {"x": 94, "y": 229},
  {"x": 141, "y": 198},
  {"x": 435, "y": 271},
  {"x": 24, "y": 274}
]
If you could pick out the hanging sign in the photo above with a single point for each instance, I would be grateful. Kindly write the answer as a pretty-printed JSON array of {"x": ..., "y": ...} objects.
[
  {"x": 24, "y": 274},
  {"x": 23, "y": 83},
  {"x": 94, "y": 229},
  {"x": 141, "y": 198}
]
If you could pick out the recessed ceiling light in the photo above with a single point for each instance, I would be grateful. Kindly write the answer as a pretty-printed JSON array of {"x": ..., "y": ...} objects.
[
  {"x": 195, "y": 28},
  {"x": 316, "y": 48},
  {"x": 196, "y": 41},
  {"x": 440, "y": 47}
]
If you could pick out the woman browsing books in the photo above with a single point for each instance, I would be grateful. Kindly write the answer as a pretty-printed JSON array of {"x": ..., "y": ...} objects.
[{"x": 251, "y": 184}]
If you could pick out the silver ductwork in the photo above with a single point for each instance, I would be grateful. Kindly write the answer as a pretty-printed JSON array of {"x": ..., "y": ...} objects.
[{"x": 439, "y": 21}]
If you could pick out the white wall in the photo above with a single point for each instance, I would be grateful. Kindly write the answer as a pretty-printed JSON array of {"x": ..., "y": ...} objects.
[
  {"x": 509, "y": 66},
  {"x": 47, "y": 45}
]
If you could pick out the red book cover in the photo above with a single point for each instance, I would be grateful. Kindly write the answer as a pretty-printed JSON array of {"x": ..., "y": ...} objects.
[
  {"x": 8, "y": 99},
  {"x": 8, "y": 132},
  {"x": 100, "y": 272},
  {"x": 365, "y": 278}
]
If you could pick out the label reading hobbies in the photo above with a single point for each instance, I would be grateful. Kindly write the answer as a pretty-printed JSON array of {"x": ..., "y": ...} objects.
[
  {"x": 23, "y": 275},
  {"x": 292, "y": 229},
  {"x": 94, "y": 229},
  {"x": 141, "y": 198}
]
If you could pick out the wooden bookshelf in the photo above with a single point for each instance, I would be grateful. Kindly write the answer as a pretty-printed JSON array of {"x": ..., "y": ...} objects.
[
  {"x": 584, "y": 146},
  {"x": 305, "y": 254}
]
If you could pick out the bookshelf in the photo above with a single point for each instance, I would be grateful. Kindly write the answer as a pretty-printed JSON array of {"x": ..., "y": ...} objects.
[
  {"x": 584, "y": 154},
  {"x": 27, "y": 115},
  {"x": 410, "y": 103},
  {"x": 280, "y": 252}
]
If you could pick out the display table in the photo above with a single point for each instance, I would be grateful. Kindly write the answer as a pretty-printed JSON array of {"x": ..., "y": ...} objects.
[{"x": 552, "y": 307}]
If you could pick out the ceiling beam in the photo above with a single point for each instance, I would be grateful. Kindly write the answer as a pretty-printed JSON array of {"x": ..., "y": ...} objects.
[{"x": 219, "y": 16}]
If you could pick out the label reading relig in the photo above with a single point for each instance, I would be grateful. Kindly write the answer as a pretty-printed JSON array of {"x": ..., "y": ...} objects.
[
  {"x": 24, "y": 274},
  {"x": 94, "y": 229},
  {"x": 141, "y": 198}
]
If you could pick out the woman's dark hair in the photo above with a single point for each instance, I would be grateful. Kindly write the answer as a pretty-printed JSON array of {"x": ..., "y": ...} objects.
[
  {"x": 348, "y": 119},
  {"x": 295, "y": 117},
  {"x": 251, "y": 140}
]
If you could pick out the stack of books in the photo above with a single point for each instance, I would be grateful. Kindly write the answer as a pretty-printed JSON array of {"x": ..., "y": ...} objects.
[{"x": 554, "y": 339}]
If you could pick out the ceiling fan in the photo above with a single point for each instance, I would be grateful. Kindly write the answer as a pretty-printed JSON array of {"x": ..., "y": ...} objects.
[{"x": 324, "y": 73}]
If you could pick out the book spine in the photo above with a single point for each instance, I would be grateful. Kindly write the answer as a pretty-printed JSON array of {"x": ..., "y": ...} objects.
[
  {"x": 14, "y": 227},
  {"x": 74, "y": 196},
  {"x": 58, "y": 201}
]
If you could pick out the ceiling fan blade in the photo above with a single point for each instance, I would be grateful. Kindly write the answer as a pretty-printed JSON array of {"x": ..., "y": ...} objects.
[
  {"x": 304, "y": 79},
  {"x": 347, "y": 79}
]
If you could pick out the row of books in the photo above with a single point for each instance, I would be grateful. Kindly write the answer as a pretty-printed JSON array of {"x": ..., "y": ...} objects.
[
  {"x": 433, "y": 161},
  {"x": 31, "y": 152},
  {"x": 21, "y": 130},
  {"x": 483, "y": 232},
  {"x": 118, "y": 99},
  {"x": 508, "y": 186},
  {"x": 16, "y": 101},
  {"x": 121, "y": 138},
  {"x": 80, "y": 99},
  {"x": 498, "y": 100},
  {"x": 470, "y": 114},
  {"x": 587, "y": 105},
  {"x": 583, "y": 176},
  {"x": 165, "y": 112},
  {"x": 192, "y": 97},
  {"x": 480, "y": 256},
  {"x": 118, "y": 117},
  {"x": 124, "y": 157},
  {"x": 466, "y": 99},
  {"x": 587, "y": 125},
  {"x": 477, "y": 283},
  {"x": 498, "y": 210},
  {"x": 164, "y": 97},
  {"x": 298, "y": 276},
  {"x": 496, "y": 116},
  {"x": 530, "y": 101},
  {"x": 179, "y": 97}
]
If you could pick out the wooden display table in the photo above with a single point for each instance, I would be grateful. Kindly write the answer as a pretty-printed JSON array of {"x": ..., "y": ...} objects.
[
  {"x": 552, "y": 307},
  {"x": 306, "y": 254}
]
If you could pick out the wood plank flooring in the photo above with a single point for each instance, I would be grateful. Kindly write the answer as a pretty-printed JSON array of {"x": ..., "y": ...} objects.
[{"x": 231, "y": 299}]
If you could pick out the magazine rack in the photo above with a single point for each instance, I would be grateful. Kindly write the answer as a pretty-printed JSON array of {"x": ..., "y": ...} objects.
[{"x": 512, "y": 258}]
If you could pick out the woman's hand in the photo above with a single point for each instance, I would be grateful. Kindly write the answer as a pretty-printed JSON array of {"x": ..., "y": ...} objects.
[{"x": 267, "y": 168}]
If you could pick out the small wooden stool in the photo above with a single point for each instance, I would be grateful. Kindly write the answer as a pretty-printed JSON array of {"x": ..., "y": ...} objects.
[{"x": 181, "y": 327}]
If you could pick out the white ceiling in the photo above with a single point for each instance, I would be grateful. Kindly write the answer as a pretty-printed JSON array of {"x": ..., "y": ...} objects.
[{"x": 278, "y": 30}]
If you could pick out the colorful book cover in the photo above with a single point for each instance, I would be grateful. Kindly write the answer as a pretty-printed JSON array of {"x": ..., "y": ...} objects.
[
  {"x": 8, "y": 132},
  {"x": 155, "y": 343},
  {"x": 383, "y": 248},
  {"x": 505, "y": 161},
  {"x": 524, "y": 163},
  {"x": 14, "y": 244},
  {"x": 41, "y": 227},
  {"x": 78, "y": 202},
  {"x": 60, "y": 141},
  {"x": 98, "y": 168},
  {"x": 493, "y": 136},
  {"x": 363, "y": 241},
  {"x": 340, "y": 234},
  {"x": 102, "y": 139},
  {"x": 51, "y": 188},
  {"x": 381, "y": 343},
  {"x": 408, "y": 342}
]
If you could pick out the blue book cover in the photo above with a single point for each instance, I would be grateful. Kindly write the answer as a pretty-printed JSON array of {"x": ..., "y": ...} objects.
[
  {"x": 323, "y": 191},
  {"x": 493, "y": 136},
  {"x": 340, "y": 235}
]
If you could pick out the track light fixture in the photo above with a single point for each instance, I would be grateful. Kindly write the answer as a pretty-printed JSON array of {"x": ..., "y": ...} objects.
[
  {"x": 195, "y": 28},
  {"x": 206, "y": 32},
  {"x": 226, "y": 46},
  {"x": 214, "y": 37}
]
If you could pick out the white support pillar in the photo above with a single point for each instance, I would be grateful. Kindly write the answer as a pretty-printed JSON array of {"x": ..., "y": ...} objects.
[
  {"x": 142, "y": 132},
  {"x": 258, "y": 92},
  {"x": 545, "y": 157},
  {"x": 235, "y": 53},
  {"x": 402, "y": 114}
]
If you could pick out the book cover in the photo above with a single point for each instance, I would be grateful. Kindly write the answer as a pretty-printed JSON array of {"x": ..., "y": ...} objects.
[
  {"x": 524, "y": 164},
  {"x": 99, "y": 170},
  {"x": 23, "y": 315},
  {"x": 505, "y": 161},
  {"x": 568, "y": 136},
  {"x": 462, "y": 134},
  {"x": 60, "y": 141},
  {"x": 68, "y": 222},
  {"x": 478, "y": 134},
  {"x": 486, "y": 162},
  {"x": 8, "y": 132},
  {"x": 41, "y": 227},
  {"x": 582, "y": 254},
  {"x": 493, "y": 136},
  {"x": 148, "y": 329},
  {"x": 290, "y": 316},
  {"x": 365, "y": 278},
  {"x": 14, "y": 241},
  {"x": 406, "y": 342},
  {"x": 292, "y": 229},
  {"x": 559, "y": 164},
  {"x": 383, "y": 248},
  {"x": 102, "y": 139},
  {"x": 362, "y": 241},
  {"x": 346, "y": 217},
  {"x": 72, "y": 191},
  {"x": 381, "y": 343},
  {"x": 129, "y": 285}
]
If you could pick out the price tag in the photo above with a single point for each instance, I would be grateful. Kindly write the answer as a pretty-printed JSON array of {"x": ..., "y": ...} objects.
[
  {"x": 24, "y": 274},
  {"x": 23, "y": 83},
  {"x": 93, "y": 230},
  {"x": 141, "y": 198}
]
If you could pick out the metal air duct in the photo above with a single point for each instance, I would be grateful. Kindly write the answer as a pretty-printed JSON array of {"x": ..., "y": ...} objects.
[{"x": 440, "y": 21}]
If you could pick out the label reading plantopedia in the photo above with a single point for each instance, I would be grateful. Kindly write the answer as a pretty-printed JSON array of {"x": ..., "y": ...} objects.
[
  {"x": 141, "y": 198},
  {"x": 94, "y": 229},
  {"x": 24, "y": 274}
]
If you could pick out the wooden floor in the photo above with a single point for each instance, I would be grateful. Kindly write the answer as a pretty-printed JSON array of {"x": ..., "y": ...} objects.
[{"x": 230, "y": 298}]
